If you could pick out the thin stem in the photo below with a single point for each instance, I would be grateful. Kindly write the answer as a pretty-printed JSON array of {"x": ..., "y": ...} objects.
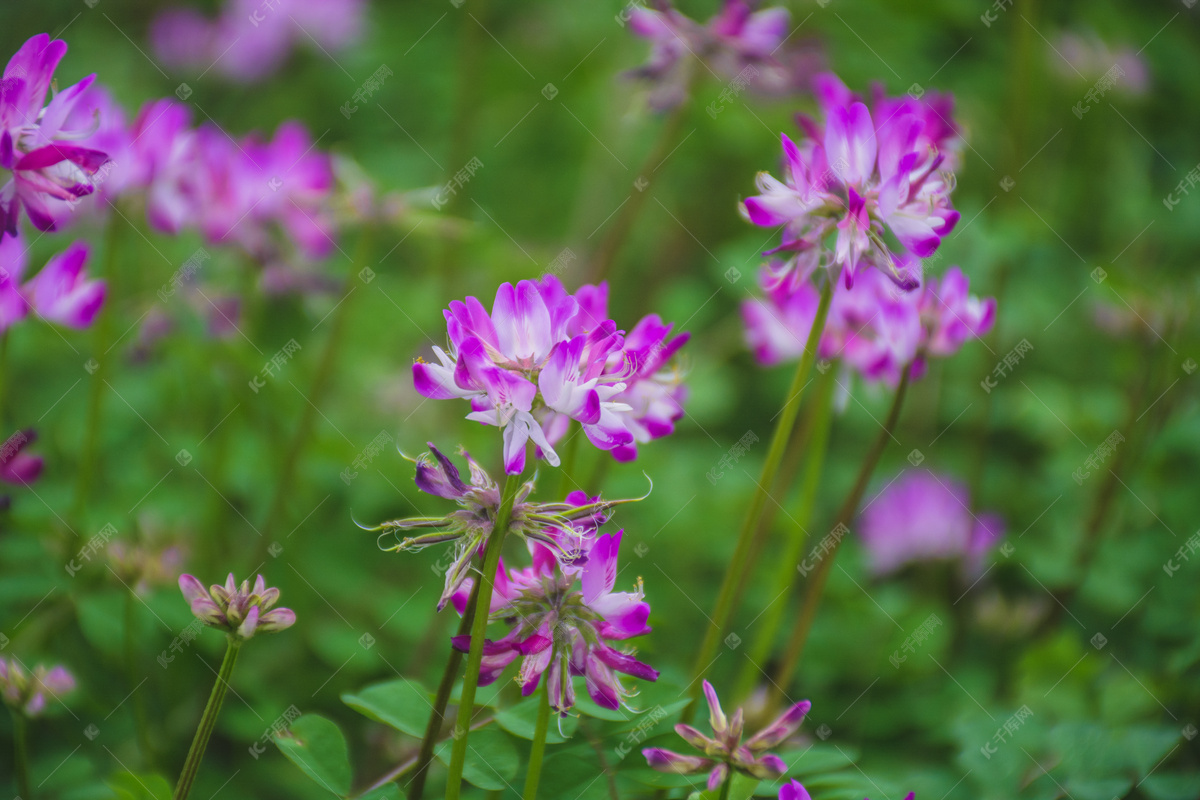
[
  {"x": 816, "y": 584},
  {"x": 21, "y": 752},
  {"x": 438, "y": 717},
  {"x": 534, "y": 772},
  {"x": 789, "y": 556},
  {"x": 208, "y": 721},
  {"x": 483, "y": 602},
  {"x": 779, "y": 440},
  {"x": 325, "y": 367}
]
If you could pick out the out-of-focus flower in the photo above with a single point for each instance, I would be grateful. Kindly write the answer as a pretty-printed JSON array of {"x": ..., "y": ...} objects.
[
  {"x": 46, "y": 165},
  {"x": 1089, "y": 58},
  {"x": 145, "y": 565},
  {"x": 562, "y": 627},
  {"x": 17, "y": 466},
  {"x": 725, "y": 750},
  {"x": 739, "y": 43},
  {"x": 28, "y": 692},
  {"x": 951, "y": 315},
  {"x": 251, "y": 39},
  {"x": 858, "y": 176},
  {"x": 921, "y": 516},
  {"x": 61, "y": 293},
  {"x": 544, "y": 357},
  {"x": 238, "y": 610},
  {"x": 566, "y": 528}
]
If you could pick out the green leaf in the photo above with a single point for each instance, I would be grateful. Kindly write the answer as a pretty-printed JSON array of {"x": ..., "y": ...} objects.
[
  {"x": 1172, "y": 786},
  {"x": 521, "y": 721},
  {"x": 389, "y": 791},
  {"x": 318, "y": 748},
  {"x": 401, "y": 703},
  {"x": 1101, "y": 789},
  {"x": 132, "y": 786},
  {"x": 491, "y": 762}
]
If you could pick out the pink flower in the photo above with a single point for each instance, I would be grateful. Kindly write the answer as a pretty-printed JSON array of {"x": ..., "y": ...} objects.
[
  {"x": 922, "y": 517},
  {"x": 794, "y": 790},
  {"x": 725, "y": 750},
  {"x": 951, "y": 316},
  {"x": 61, "y": 293},
  {"x": 860, "y": 175},
  {"x": 563, "y": 627},
  {"x": 239, "y": 610},
  {"x": 47, "y": 166},
  {"x": 27, "y": 692},
  {"x": 17, "y": 466}
]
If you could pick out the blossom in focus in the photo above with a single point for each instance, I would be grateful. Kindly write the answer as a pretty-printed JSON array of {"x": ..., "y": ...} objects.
[
  {"x": 860, "y": 175},
  {"x": 564, "y": 625},
  {"x": 566, "y": 528},
  {"x": 46, "y": 164},
  {"x": 239, "y": 610},
  {"x": 724, "y": 750},
  {"x": 26, "y": 691},
  {"x": 739, "y": 43},
  {"x": 794, "y": 790},
  {"x": 17, "y": 466},
  {"x": 543, "y": 358},
  {"x": 249, "y": 40},
  {"x": 922, "y": 516}
]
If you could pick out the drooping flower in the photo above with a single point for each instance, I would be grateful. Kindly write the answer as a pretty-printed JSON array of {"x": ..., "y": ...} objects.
[
  {"x": 16, "y": 466},
  {"x": 27, "y": 692},
  {"x": 46, "y": 166},
  {"x": 924, "y": 517},
  {"x": 563, "y": 625},
  {"x": 725, "y": 750},
  {"x": 239, "y": 610},
  {"x": 543, "y": 358},
  {"x": 566, "y": 528},
  {"x": 861, "y": 175}
]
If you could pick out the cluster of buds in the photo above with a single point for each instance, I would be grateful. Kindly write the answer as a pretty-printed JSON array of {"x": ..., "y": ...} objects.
[
  {"x": 239, "y": 610},
  {"x": 26, "y": 692}
]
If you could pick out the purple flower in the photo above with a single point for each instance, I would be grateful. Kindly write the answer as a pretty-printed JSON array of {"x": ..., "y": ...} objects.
[
  {"x": 922, "y": 517},
  {"x": 61, "y": 292},
  {"x": 951, "y": 315},
  {"x": 566, "y": 528},
  {"x": 47, "y": 166},
  {"x": 794, "y": 790},
  {"x": 563, "y": 625},
  {"x": 239, "y": 610},
  {"x": 27, "y": 692},
  {"x": 860, "y": 175},
  {"x": 16, "y": 466},
  {"x": 542, "y": 358},
  {"x": 725, "y": 750}
]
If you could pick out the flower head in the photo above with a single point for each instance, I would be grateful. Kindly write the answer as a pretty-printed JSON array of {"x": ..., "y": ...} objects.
[
  {"x": 47, "y": 167},
  {"x": 862, "y": 173},
  {"x": 27, "y": 692},
  {"x": 922, "y": 517},
  {"x": 565, "y": 528},
  {"x": 239, "y": 610},
  {"x": 725, "y": 750},
  {"x": 543, "y": 358},
  {"x": 563, "y": 625},
  {"x": 60, "y": 292}
]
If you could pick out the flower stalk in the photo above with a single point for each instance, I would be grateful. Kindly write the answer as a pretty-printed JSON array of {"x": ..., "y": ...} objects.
[
  {"x": 483, "y": 601},
  {"x": 209, "y": 719},
  {"x": 779, "y": 440},
  {"x": 534, "y": 772}
]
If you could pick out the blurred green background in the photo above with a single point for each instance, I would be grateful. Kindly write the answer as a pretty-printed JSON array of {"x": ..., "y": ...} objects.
[{"x": 1046, "y": 200}]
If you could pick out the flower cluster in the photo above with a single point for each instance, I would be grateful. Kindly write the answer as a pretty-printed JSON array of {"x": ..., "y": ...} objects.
[
  {"x": 565, "y": 528},
  {"x": 921, "y": 517},
  {"x": 864, "y": 173},
  {"x": 250, "y": 39},
  {"x": 544, "y": 357},
  {"x": 739, "y": 43},
  {"x": 60, "y": 292},
  {"x": 876, "y": 328},
  {"x": 238, "y": 610},
  {"x": 725, "y": 751},
  {"x": 564, "y": 620},
  {"x": 27, "y": 692}
]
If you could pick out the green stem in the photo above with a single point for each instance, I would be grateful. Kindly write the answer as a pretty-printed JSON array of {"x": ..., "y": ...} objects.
[
  {"x": 816, "y": 584},
  {"x": 325, "y": 367},
  {"x": 785, "y": 575},
  {"x": 483, "y": 602},
  {"x": 21, "y": 752},
  {"x": 102, "y": 344},
  {"x": 570, "y": 456},
  {"x": 208, "y": 721},
  {"x": 416, "y": 786},
  {"x": 779, "y": 440},
  {"x": 534, "y": 772}
]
